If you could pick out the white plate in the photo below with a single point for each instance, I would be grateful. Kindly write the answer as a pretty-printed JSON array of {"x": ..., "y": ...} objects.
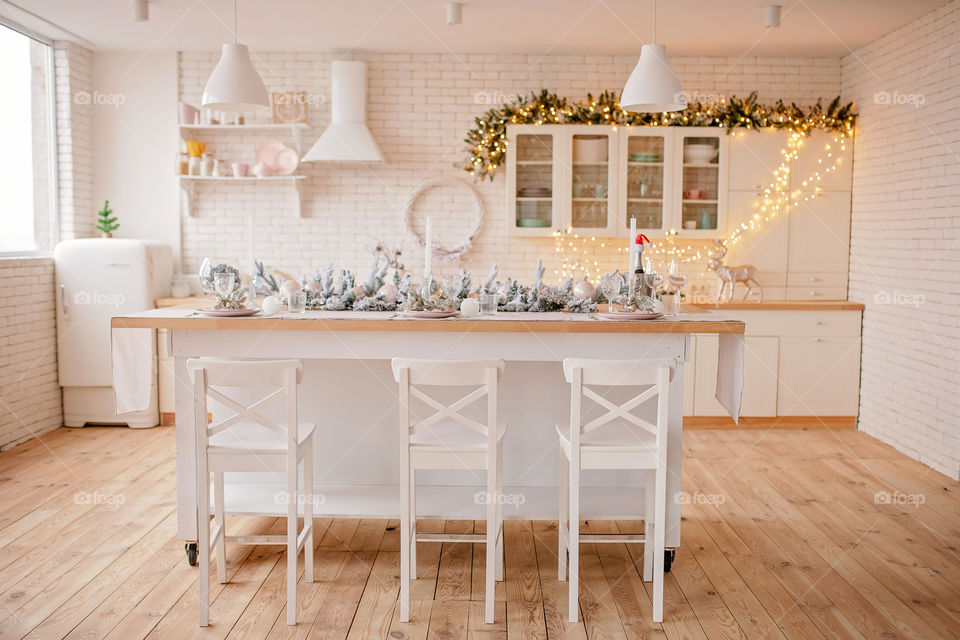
[
  {"x": 267, "y": 152},
  {"x": 629, "y": 315},
  {"x": 427, "y": 314},
  {"x": 285, "y": 163},
  {"x": 228, "y": 313}
]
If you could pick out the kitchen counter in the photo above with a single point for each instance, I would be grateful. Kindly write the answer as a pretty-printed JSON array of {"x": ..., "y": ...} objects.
[
  {"x": 785, "y": 305},
  {"x": 349, "y": 391},
  {"x": 703, "y": 321}
]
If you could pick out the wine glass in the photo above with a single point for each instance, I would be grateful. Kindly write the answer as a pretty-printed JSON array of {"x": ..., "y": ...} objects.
[
  {"x": 679, "y": 274},
  {"x": 610, "y": 288},
  {"x": 654, "y": 276}
]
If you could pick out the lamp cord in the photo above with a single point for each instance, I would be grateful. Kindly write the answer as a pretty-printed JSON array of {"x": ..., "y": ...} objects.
[
  {"x": 654, "y": 21},
  {"x": 235, "y": 21}
]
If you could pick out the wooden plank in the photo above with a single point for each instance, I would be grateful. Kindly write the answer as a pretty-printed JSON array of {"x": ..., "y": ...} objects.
[
  {"x": 368, "y": 535},
  {"x": 525, "y": 617},
  {"x": 479, "y": 629},
  {"x": 456, "y": 559},
  {"x": 380, "y": 322},
  {"x": 626, "y": 589},
  {"x": 777, "y": 422},
  {"x": 428, "y": 562},
  {"x": 479, "y": 569},
  {"x": 379, "y": 599},
  {"x": 553, "y": 591},
  {"x": 311, "y": 597},
  {"x": 343, "y": 596},
  {"x": 448, "y": 620},
  {"x": 419, "y": 623}
]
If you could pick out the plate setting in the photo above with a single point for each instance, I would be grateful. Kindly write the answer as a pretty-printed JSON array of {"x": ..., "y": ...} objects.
[
  {"x": 630, "y": 315},
  {"x": 427, "y": 314},
  {"x": 228, "y": 313}
]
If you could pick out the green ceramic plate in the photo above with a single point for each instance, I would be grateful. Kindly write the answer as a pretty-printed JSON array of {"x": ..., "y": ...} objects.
[{"x": 522, "y": 222}]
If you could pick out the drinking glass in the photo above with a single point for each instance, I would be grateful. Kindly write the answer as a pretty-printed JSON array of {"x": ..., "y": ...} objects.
[
  {"x": 224, "y": 283},
  {"x": 297, "y": 302},
  {"x": 654, "y": 276},
  {"x": 610, "y": 288},
  {"x": 679, "y": 274},
  {"x": 489, "y": 303}
]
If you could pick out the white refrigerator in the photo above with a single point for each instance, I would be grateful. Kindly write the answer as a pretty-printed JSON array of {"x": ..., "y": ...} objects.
[{"x": 98, "y": 278}]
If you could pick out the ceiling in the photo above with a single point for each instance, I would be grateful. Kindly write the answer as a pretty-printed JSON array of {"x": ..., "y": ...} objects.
[{"x": 823, "y": 28}]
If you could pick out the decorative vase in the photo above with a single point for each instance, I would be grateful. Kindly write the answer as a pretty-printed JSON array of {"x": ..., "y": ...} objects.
[{"x": 106, "y": 234}]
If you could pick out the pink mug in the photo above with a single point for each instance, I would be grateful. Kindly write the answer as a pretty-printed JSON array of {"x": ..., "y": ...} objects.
[
  {"x": 240, "y": 169},
  {"x": 188, "y": 113}
]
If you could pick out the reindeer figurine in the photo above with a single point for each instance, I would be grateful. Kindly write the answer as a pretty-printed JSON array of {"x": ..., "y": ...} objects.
[{"x": 745, "y": 273}]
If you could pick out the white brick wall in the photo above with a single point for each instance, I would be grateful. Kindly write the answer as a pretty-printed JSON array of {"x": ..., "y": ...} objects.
[
  {"x": 74, "y": 87},
  {"x": 905, "y": 235},
  {"x": 419, "y": 108},
  {"x": 29, "y": 391}
]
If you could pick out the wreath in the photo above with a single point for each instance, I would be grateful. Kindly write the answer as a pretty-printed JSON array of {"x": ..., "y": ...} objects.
[{"x": 444, "y": 253}]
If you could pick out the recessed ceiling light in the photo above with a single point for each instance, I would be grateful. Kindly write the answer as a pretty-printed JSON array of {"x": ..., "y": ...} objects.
[
  {"x": 772, "y": 15},
  {"x": 141, "y": 10},
  {"x": 454, "y": 13}
]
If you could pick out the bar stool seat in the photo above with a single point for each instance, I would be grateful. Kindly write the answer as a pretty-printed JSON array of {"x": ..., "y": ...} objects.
[
  {"x": 252, "y": 437},
  {"x": 451, "y": 436}
]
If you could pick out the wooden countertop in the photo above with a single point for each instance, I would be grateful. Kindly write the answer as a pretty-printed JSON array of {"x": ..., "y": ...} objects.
[
  {"x": 785, "y": 305},
  {"x": 700, "y": 322}
]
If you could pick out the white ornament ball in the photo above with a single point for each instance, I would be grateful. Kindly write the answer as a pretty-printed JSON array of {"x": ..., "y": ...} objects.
[
  {"x": 470, "y": 307},
  {"x": 272, "y": 305},
  {"x": 388, "y": 292},
  {"x": 583, "y": 290}
]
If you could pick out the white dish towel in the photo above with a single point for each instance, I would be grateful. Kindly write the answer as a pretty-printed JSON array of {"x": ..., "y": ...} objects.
[{"x": 132, "y": 359}]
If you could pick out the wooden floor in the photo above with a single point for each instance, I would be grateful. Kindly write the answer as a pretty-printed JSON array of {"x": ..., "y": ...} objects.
[{"x": 786, "y": 534}]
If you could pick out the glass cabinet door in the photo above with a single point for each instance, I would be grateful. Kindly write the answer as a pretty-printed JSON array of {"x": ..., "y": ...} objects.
[
  {"x": 646, "y": 179},
  {"x": 592, "y": 187},
  {"x": 531, "y": 192},
  {"x": 702, "y": 176}
]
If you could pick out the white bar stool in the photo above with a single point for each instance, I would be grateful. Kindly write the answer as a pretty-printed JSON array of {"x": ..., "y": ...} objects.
[
  {"x": 618, "y": 439},
  {"x": 249, "y": 441},
  {"x": 451, "y": 441}
]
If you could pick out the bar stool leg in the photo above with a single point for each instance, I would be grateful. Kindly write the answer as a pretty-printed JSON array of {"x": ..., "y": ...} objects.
[
  {"x": 499, "y": 528},
  {"x": 405, "y": 537},
  {"x": 413, "y": 524},
  {"x": 308, "y": 517},
  {"x": 648, "y": 525},
  {"x": 574, "y": 566},
  {"x": 292, "y": 541},
  {"x": 219, "y": 523},
  {"x": 563, "y": 494},
  {"x": 491, "y": 550}
]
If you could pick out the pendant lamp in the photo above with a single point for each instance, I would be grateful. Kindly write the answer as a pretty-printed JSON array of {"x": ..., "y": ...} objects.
[
  {"x": 653, "y": 86},
  {"x": 235, "y": 84}
]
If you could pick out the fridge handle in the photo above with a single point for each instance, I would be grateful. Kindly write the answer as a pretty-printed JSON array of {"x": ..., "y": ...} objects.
[{"x": 63, "y": 299}]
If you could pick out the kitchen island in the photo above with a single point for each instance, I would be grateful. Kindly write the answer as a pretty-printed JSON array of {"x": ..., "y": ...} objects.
[{"x": 349, "y": 391}]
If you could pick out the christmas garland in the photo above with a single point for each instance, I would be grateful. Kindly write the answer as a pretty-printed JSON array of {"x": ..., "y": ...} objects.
[{"x": 487, "y": 141}]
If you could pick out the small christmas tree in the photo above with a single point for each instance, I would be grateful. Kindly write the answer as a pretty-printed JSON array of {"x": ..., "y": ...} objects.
[{"x": 106, "y": 221}]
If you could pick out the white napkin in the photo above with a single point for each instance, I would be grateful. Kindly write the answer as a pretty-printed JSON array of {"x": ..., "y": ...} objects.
[
  {"x": 730, "y": 373},
  {"x": 132, "y": 359}
]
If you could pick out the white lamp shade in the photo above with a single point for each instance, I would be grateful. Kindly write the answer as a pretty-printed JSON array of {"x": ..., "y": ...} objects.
[
  {"x": 653, "y": 86},
  {"x": 235, "y": 84}
]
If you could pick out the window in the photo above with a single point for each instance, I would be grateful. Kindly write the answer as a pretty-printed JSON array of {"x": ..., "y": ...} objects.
[{"x": 28, "y": 220}]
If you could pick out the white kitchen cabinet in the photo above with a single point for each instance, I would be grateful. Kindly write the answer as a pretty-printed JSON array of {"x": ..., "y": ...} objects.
[
  {"x": 818, "y": 151},
  {"x": 701, "y": 182},
  {"x": 534, "y": 179},
  {"x": 646, "y": 178},
  {"x": 759, "y": 397},
  {"x": 754, "y": 157},
  {"x": 593, "y": 179},
  {"x": 689, "y": 377},
  {"x": 819, "y": 376},
  {"x": 590, "y": 176},
  {"x": 820, "y": 234},
  {"x": 765, "y": 248}
]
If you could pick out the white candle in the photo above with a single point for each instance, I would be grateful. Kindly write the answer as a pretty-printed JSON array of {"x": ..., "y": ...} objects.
[
  {"x": 427, "y": 250},
  {"x": 632, "y": 242},
  {"x": 251, "y": 268}
]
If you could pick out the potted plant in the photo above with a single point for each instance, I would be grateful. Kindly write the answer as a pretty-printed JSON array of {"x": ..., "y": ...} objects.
[{"x": 106, "y": 221}]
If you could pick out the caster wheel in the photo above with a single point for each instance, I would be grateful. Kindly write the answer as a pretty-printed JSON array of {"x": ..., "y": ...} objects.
[
  {"x": 191, "y": 550},
  {"x": 668, "y": 557}
]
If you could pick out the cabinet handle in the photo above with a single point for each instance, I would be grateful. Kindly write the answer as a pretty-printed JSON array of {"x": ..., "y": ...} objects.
[
  {"x": 818, "y": 322},
  {"x": 63, "y": 300},
  {"x": 815, "y": 293},
  {"x": 818, "y": 340},
  {"x": 814, "y": 279}
]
